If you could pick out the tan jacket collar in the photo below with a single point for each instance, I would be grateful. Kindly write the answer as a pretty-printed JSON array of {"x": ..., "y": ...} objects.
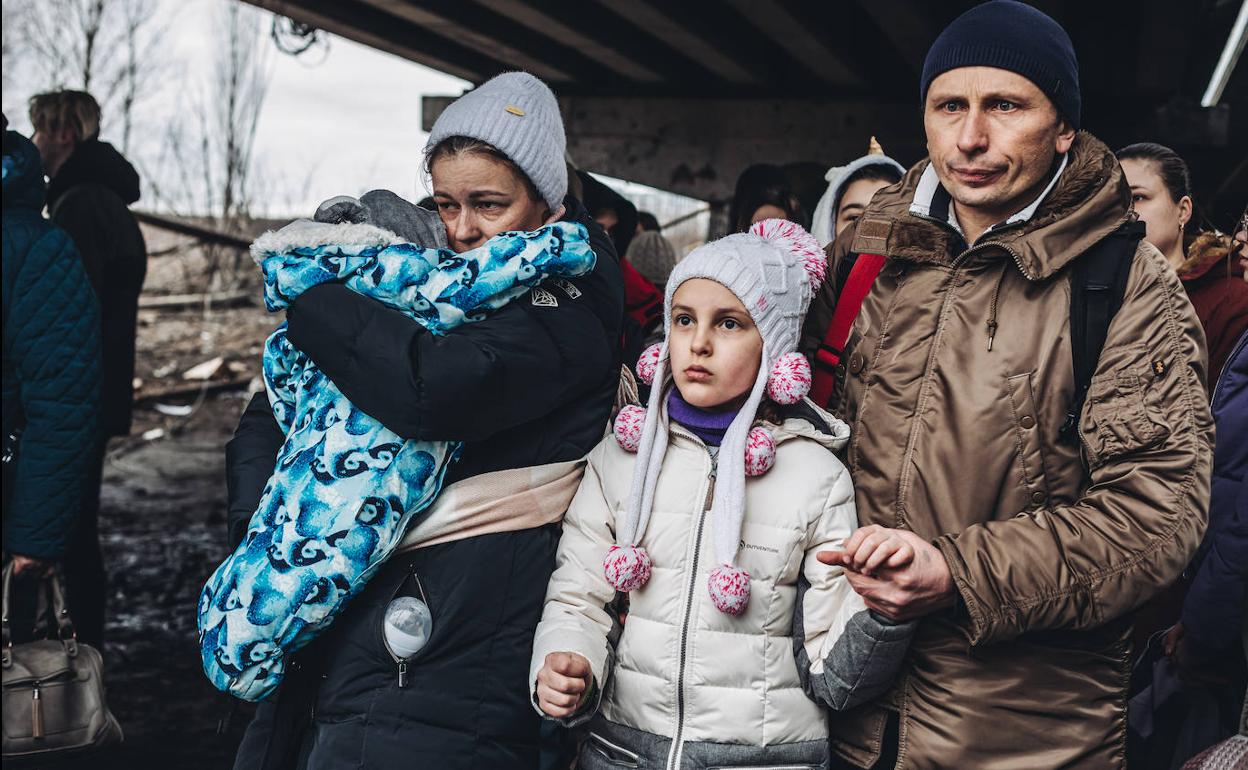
[{"x": 1090, "y": 200}]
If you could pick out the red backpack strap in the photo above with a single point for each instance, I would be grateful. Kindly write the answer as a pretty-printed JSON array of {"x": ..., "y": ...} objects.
[{"x": 828, "y": 356}]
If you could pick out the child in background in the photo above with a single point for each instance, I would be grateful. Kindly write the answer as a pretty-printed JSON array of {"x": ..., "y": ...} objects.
[{"x": 707, "y": 508}]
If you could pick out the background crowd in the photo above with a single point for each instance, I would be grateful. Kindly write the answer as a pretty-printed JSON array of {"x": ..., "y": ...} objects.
[{"x": 526, "y": 388}]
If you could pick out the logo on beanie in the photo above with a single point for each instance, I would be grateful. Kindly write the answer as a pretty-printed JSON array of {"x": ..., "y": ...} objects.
[{"x": 514, "y": 110}]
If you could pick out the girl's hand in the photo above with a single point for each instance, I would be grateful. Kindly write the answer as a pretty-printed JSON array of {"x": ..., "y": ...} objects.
[
  {"x": 563, "y": 683},
  {"x": 872, "y": 548}
]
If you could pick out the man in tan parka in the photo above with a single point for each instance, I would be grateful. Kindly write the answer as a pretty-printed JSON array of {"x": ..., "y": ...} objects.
[{"x": 1030, "y": 551}]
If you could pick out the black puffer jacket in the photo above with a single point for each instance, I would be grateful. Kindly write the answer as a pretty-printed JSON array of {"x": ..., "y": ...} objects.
[
  {"x": 89, "y": 197},
  {"x": 532, "y": 384}
]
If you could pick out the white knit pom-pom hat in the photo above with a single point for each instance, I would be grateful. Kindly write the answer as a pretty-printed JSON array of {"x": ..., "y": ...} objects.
[{"x": 774, "y": 270}]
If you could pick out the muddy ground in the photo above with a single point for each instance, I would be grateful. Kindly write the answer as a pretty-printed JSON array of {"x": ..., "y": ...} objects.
[{"x": 162, "y": 524}]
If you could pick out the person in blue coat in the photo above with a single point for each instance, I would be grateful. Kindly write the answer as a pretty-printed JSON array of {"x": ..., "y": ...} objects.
[
  {"x": 51, "y": 370},
  {"x": 1204, "y": 641}
]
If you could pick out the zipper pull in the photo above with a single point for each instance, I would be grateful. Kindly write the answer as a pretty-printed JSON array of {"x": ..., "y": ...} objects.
[
  {"x": 402, "y": 674},
  {"x": 36, "y": 713},
  {"x": 992, "y": 334}
]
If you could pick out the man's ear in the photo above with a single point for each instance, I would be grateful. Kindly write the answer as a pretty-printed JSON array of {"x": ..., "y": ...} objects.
[{"x": 1065, "y": 136}]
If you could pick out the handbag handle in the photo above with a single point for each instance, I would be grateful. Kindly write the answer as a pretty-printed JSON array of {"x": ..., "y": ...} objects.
[
  {"x": 51, "y": 601},
  {"x": 51, "y": 598},
  {"x": 7, "y": 652}
]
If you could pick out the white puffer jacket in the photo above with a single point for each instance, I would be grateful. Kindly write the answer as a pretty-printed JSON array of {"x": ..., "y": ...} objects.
[{"x": 686, "y": 685}]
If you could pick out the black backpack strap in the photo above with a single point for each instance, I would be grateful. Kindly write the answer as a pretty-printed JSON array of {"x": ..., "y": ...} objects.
[{"x": 1097, "y": 285}]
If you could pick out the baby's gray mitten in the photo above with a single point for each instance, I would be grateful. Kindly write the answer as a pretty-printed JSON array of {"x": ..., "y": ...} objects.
[
  {"x": 386, "y": 210},
  {"x": 409, "y": 221}
]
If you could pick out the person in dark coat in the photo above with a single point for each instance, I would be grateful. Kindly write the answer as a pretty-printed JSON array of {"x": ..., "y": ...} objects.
[
  {"x": 529, "y": 386},
  {"x": 51, "y": 370},
  {"x": 643, "y": 302},
  {"x": 90, "y": 187},
  {"x": 763, "y": 191}
]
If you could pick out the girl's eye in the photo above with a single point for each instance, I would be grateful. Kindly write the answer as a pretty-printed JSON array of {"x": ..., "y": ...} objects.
[
  {"x": 1137, "y": 198},
  {"x": 731, "y": 324},
  {"x": 683, "y": 320}
]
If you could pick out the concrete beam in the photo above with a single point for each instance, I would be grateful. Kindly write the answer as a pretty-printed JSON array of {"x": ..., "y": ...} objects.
[
  {"x": 332, "y": 20},
  {"x": 680, "y": 38},
  {"x": 549, "y": 25},
  {"x": 447, "y": 27},
  {"x": 907, "y": 23},
  {"x": 788, "y": 31}
]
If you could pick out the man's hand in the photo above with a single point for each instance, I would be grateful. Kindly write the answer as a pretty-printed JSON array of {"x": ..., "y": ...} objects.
[
  {"x": 29, "y": 566},
  {"x": 898, "y": 574},
  {"x": 1198, "y": 664},
  {"x": 563, "y": 683}
]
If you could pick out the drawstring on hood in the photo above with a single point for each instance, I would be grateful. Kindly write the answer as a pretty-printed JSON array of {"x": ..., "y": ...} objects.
[{"x": 996, "y": 298}]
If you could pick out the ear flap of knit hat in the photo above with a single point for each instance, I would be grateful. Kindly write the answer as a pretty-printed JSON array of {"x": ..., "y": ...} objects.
[
  {"x": 729, "y": 587},
  {"x": 627, "y": 566}
]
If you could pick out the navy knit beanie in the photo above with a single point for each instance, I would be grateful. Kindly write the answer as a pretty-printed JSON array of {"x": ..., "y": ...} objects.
[{"x": 1011, "y": 36}]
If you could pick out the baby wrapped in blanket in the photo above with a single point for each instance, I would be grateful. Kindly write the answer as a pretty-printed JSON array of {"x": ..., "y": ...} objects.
[{"x": 345, "y": 488}]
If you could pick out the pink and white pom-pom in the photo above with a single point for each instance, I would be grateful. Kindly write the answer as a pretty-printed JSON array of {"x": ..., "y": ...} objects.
[
  {"x": 802, "y": 244},
  {"x": 730, "y": 589},
  {"x": 628, "y": 425},
  {"x": 627, "y": 568},
  {"x": 789, "y": 381},
  {"x": 648, "y": 363},
  {"x": 760, "y": 451}
]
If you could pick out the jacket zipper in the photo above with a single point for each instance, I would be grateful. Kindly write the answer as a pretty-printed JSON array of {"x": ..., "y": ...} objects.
[
  {"x": 401, "y": 663},
  {"x": 674, "y": 756},
  {"x": 931, "y": 358}
]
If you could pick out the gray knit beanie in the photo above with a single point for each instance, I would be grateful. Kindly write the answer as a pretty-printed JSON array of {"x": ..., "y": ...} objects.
[
  {"x": 518, "y": 114},
  {"x": 653, "y": 256}
]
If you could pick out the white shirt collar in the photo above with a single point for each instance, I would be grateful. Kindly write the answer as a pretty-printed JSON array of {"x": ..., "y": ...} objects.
[{"x": 931, "y": 200}]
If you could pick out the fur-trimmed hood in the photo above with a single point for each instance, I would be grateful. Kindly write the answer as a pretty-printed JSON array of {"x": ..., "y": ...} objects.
[{"x": 1203, "y": 256}]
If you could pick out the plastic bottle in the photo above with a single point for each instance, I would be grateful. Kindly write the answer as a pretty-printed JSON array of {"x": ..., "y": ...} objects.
[{"x": 407, "y": 626}]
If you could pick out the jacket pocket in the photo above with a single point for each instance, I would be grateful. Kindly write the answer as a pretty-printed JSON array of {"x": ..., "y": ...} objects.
[
  {"x": 1119, "y": 418},
  {"x": 1028, "y": 444},
  {"x": 602, "y": 753}
]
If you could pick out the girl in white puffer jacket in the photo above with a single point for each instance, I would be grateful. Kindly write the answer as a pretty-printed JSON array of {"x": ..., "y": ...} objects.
[{"x": 709, "y": 519}]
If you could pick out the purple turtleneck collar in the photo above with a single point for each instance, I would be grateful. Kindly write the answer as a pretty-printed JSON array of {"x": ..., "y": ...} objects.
[{"x": 706, "y": 425}]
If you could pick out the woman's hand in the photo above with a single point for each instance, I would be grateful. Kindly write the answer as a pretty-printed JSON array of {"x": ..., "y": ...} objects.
[
  {"x": 31, "y": 567},
  {"x": 563, "y": 684}
]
